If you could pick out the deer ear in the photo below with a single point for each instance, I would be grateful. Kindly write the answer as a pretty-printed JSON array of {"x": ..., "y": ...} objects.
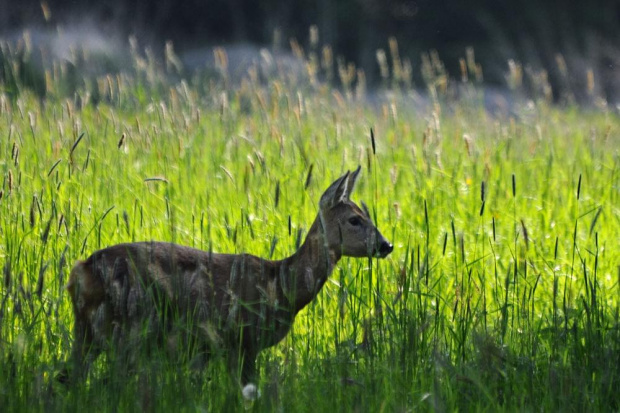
[
  {"x": 336, "y": 193},
  {"x": 352, "y": 180},
  {"x": 365, "y": 209}
]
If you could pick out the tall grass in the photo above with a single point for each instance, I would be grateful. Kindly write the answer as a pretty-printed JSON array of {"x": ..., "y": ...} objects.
[{"x": 502, "y": 292}]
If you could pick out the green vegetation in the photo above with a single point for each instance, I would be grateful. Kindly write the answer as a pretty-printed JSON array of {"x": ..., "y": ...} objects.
[{"x": 502, "y": 293}]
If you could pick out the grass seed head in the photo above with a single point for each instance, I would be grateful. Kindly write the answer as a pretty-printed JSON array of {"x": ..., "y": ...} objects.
[
  {"x": 39, "y": 288},
  {"x": 7, "y": 276},
  {"x": 525, "y": 234},
  {"x": 277, "y": 195},
  {"x": 46, "y": 231},
  {"x": 32, "y": 211},
  {"x": 10, "y": 181},
  {"x": 314, "y": 36},
  {"x": 383, "y": 64},
  {"x": 309, "y": 177},
  {"x": 372, "y": 141}
]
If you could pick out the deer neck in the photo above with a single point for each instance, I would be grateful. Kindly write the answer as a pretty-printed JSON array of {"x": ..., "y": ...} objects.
[{"x": 309, "y": 267}]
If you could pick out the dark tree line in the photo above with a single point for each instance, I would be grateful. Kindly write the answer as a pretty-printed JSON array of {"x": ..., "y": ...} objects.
[{"x": 530, "y": 31}]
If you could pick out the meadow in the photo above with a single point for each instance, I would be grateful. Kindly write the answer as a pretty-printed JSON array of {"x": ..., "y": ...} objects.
[{"x": 503, "y": 290}]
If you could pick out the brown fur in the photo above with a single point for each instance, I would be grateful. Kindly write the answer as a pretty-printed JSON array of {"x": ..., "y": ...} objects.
[{"x": 237, "y": 303}]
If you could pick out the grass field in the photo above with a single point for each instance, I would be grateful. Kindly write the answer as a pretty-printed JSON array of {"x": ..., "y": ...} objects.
[{"x": 502, "y": 293}]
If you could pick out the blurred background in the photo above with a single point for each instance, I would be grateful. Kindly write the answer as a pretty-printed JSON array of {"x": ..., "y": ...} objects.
[{"x": 570, "y": 41}]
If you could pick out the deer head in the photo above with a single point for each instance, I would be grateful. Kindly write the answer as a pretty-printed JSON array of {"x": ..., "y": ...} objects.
[{"x": 346, "y": 227}]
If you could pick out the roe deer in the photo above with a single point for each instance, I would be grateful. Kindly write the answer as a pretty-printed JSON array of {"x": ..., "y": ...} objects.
[{"x": 241, "y": 304}]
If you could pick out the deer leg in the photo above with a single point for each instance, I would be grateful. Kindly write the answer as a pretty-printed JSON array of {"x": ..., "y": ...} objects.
[
  {"x": 248, "y": 368},
  {"x": 242, "y": 366},
  {"x": 83, "y": 352},
  {"x": 249, "y": 389},
  {"x": 82, "y": 342}
]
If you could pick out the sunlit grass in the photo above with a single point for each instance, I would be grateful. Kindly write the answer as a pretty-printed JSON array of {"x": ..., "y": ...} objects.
[{"x": 502, "y": 291}]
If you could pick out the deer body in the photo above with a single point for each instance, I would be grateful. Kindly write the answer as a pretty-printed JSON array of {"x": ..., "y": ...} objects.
[{"x": 237, "y": 303}]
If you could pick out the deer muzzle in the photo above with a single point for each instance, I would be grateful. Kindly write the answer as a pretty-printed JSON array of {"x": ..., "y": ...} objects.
[{"x": 383, "y": 247}]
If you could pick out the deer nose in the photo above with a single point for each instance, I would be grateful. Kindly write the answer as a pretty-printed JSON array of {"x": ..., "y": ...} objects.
[{"x": 385, "y": 248}]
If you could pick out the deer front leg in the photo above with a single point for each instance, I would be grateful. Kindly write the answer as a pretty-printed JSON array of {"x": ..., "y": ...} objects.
[
  {"x": 83, "y": 352},
  {"x": 243, "y": 368},
  {"x": 248, "y": 368},
  {"x": 242, "y": 365}
]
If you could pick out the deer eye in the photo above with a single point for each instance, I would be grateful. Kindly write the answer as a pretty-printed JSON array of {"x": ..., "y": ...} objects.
[{"x": 355, "y": 221}]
